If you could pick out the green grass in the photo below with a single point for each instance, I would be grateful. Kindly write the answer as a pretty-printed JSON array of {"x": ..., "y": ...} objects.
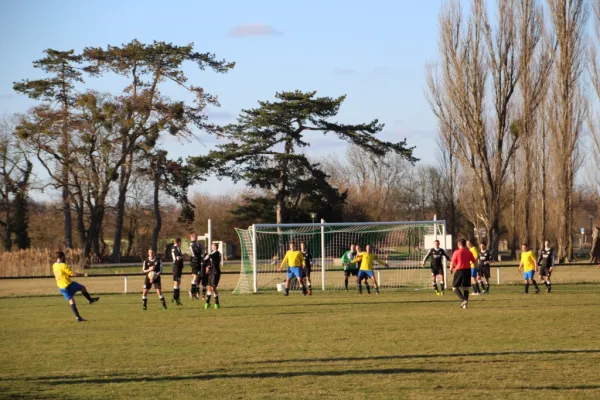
[{"x": 400, "y": 344}]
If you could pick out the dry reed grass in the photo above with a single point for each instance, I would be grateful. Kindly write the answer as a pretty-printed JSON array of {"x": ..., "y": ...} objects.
[{"x": 34, "y": 262}]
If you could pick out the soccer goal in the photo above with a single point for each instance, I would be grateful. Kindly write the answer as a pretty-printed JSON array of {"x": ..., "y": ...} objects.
[{"x": 400, "y": 244}]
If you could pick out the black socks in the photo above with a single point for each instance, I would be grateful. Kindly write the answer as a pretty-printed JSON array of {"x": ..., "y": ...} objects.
[{"x": 74, "y": 309}]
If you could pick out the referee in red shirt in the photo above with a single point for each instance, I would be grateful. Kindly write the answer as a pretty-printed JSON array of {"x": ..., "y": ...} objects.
[{"x": 461, "y": 262}]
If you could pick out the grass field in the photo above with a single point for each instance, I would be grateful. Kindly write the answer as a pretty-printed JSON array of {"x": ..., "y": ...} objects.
[{"x": 400, "y": 344}]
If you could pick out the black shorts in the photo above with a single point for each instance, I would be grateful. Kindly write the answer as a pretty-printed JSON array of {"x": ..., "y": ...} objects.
[
  {"x": 484, "y": 271},
  {"x": 307, "y": 270},
  {"x": 214, "y": 279},
  {"x": 196, "y": 269},
  {"x": 462, "y": 278},
  {"x": 353, "y": 272},
  {"x": 148, "y": 285},
  {"x": 545, "y": 272},
  {"x": 204, "y": 278},
  {"x": 177, "y": 270},
  {"x": 437, "y": 270}
]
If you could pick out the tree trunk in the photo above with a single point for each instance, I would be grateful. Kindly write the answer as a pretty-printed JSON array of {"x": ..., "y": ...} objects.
[
  {"x": 7, "y": 231},
  {"x": 123, "y": 186},
  {"x": 157, "y": 215},
  {"x": 282, "y": 184},
  {"x": 131, "y": 230}
]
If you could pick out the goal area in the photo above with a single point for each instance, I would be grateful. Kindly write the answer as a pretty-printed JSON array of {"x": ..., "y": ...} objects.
[{"x": 401, "y": 244}]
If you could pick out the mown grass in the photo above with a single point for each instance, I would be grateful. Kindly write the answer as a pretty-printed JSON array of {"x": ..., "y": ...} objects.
[{"x": 400, "y": 344}]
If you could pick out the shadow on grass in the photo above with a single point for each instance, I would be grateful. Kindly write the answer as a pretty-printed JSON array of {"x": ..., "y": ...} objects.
[
  {"x": 79, "y": 380},
  {"x": 425, "y": 356}
]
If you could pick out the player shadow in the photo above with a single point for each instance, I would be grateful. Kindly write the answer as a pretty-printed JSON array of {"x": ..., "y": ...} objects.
[
  {"x": 358, "y": 303},
  {"x": 425, "y": 356},
  {"x": 206, "y": 377}
]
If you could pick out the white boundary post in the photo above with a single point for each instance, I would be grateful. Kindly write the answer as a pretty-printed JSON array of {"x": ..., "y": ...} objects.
[
  {"x": 254, "y": 255},
  {"x": 445, "y": 261},
  {"x": 322, "y": 254},
  {"x": 125, "y": 289},
  {"x": 210, "y": 238},
  {"x": 498, "y": 274}
]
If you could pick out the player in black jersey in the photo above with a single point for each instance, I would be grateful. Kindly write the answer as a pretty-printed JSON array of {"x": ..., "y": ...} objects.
[
  {"x": 177, "y": 256},
  {"x": 484, "y": 261},
  {"x": 196, "y": 263},
  {"x": 546, "y": 263},
  {"x": 152, "y": 267},
  {"x": 308, "y": 258},
  {"x": 212, "y": 265},
  {"x": 437, "y": 266}
]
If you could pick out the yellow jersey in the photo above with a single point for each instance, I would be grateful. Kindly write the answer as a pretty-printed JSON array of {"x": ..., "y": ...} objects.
[
  {"x": 475, "y": 253},
  {"x": 62, "y": 274},
  {"x": 528, "y": 261},
  {"x": 293, "y": 259},
  {"x": 367, "y": 260}
]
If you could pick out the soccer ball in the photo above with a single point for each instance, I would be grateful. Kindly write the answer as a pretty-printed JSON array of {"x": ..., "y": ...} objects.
[{"x": 152, "y": 275}]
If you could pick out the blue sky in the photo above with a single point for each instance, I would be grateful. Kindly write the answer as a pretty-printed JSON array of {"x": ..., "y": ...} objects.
[{"x": 372, "y": 51}]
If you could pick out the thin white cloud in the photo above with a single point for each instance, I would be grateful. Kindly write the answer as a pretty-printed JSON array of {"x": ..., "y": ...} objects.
[{"x": 254, "y": 29}]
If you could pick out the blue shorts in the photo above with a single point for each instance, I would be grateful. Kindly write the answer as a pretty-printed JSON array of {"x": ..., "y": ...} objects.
[
  {"x": 70, "y": 290},
  {"x": 528, "y": 274},
  {"x": 298, "y": 272},
  {"x": 365, "y": 273},
  {"x": 473, "y": 272}
]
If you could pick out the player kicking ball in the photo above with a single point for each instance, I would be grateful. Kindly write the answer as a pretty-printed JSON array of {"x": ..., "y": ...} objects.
[
  {"x": 63, "y": 273},
  {"x": 367, "y": 259},
  {"x": 152, "y": 267},
  {"x": 295, "y": 261},
  {"x": 437, "y": 266},
  {"x": 212, "y": 263},
  {"x": 529, "y": 268}
]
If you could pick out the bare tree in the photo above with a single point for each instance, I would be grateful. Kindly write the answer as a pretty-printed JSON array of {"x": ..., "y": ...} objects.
[
  {"x": 474, "y": 55},
  {"x": 594, "y": 117},
  {"x": 568, "y": 107},
  {"x": 535, "y": 63}
]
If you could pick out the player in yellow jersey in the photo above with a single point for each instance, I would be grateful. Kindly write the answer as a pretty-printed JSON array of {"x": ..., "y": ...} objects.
[
  {"x": 473, "y": 249},
  {"x": 529, "y": 267},
  {"x": 295, "y": 262},
  {"x": 63, "y": 273},
  {"x": 367, "y": 259}
]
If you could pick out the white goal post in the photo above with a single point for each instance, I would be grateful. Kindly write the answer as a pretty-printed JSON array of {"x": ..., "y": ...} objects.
[{"x": 401, "y": 244}]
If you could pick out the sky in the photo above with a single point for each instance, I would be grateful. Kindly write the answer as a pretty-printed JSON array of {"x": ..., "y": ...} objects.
[{"x": 374, "y": 52}]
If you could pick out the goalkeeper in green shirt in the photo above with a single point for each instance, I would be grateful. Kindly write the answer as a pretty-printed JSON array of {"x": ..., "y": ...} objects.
[{"x": 349, "y": 269}]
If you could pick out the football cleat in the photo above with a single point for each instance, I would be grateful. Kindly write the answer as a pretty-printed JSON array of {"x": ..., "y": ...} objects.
[
  {"x": 144, "y": 307},
  {"x": 206, "y": 305},
  {"x": 463, "y": 304},
  {"x": 537, "y": 291},
  {"x": 93, "y": 300},
  {"x": 165, "y": 307},
  {"x": 79, "y": 319},
  {"x": 191, "y": 295},
  {"x": 217, "y": 306},
  {"x": 310, "y": 292}
]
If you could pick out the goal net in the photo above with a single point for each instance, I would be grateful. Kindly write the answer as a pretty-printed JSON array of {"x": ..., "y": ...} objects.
[{"x": 401, "y": 244}]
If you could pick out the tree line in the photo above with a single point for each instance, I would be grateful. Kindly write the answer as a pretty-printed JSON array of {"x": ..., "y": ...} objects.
[
  {"x": 515, "y": 114},
  {"x": 514, "y": 92},
  {"x": 99, "y": 148}
]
